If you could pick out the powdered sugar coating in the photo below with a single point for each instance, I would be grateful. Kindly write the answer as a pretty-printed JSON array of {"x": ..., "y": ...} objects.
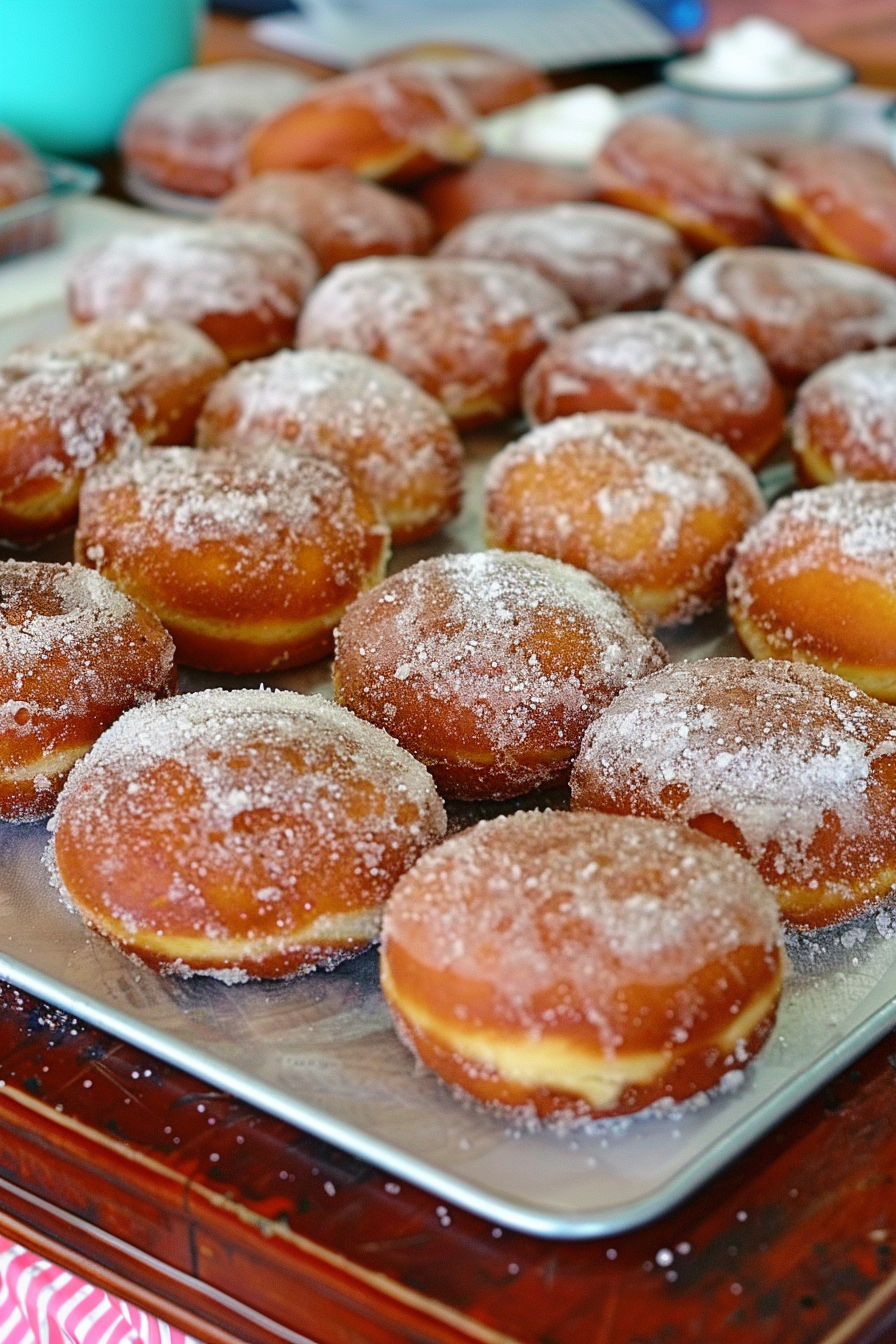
[
  {"x": 464, "y": 330},
  {"x": 558, "y": 913},
  {"x": 626, "y": 497},
  {"x": 782, "y": 751},
  {"x": 846, "y": 415},
  {"x": 188, "y": 131},
  {"x": 604, "y": 258},
  {"x": 853, "y": 522},
  {"x": 492, "y": 661},
  {"x": 191, "y": 271},
  {"x": 386, "y": 432},
  {"x": 340, "y": 216},
  {"x": 278, "y": 809},
  {"x": 801, "y": 309}
]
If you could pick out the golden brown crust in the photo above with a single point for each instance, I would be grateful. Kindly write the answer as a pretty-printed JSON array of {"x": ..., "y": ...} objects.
[
  {"x": 75, "y": 653},
  {"x": 241, "y": 833},
  {"x": 843, "y": 424},
  {"x": 698, "y": 184},
  {"x": 581, "y": 965},
  {"x": 248, "y": 561},
  {"x": 493, "y": 183},
  {"x": 488, "y": 79}
]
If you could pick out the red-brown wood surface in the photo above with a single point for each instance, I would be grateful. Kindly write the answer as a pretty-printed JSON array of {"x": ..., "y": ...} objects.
[{"x": 238, "y": 1227}]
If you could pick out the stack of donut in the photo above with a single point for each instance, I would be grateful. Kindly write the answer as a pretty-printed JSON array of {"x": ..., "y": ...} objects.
[{"x": 252, "y": 411}]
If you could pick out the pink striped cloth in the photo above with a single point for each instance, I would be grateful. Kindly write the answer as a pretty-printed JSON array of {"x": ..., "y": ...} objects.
[{"x": 43, "y": 1304}]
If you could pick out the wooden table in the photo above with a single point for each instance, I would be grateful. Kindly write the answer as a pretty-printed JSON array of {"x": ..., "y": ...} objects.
[{"x": 236, "y": 1227}]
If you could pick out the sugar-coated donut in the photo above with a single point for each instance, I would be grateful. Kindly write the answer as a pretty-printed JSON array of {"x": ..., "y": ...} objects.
[
  {"x": 604, "y": 258},
  {"x": 241, "y": 282},
  {"x": 790, "y": 765},
  {"x": 388, "y": 124},
  {"x": 249, "y": 561},
  {"x": 578, "y": 965},
  {"x": 800, "y": 309},
  {"x": 340, "y": 216},
  {"x": 240, "y": 834},
  {"x": 840, "y": 199},
  {"x": 650, "y": 508},
  {"x": 385, "y": 432},
  {"x": 488, "y": 79},
  {"x": 815, "y": 582},
  {"x": 75, "y": 653},
  {"x": 707, "y": 377},
  {"x": 187, "y": 133},
  {"x": 844, "y": 420},
  {"x": 171, "y": 369},
  {"x": 465, "y": 331},
  {"x": 489, "y": 667},
  {"x": 493, "y": 183},
  {"x": 700, "y": 185},
  {"x": 58, "y": 415}
]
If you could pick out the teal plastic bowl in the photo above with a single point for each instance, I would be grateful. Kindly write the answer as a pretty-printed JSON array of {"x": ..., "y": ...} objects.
[{"x": 70, "y": 69}]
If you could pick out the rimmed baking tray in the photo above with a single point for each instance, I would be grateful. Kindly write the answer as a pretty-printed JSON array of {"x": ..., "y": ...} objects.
[{"x": 319, "y": 1052}]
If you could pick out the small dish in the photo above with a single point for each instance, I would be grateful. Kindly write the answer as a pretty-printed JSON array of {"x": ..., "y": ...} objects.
[
  {"x": 804, "y": 112},
  {"x": 31, "y": 224}
]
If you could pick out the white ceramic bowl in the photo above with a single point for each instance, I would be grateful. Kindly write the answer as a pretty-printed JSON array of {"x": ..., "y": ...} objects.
[{"x": 805, "y": 113}]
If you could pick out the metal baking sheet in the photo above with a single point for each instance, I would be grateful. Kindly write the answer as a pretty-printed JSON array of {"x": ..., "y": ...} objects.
[{"x": 319, "y": 1051}]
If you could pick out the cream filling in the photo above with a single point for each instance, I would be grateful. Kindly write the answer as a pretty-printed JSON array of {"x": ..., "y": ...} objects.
[
  {"x": 57, "y": 764},
  {"x": 560, "y": 1065}
]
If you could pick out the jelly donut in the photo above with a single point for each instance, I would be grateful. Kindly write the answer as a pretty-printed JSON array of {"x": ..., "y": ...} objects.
[
  {"x": 844, "y": 420},
  {"x": 703, "y": 375},
  {"x": 493, "y": 183},
  {"x": 790, "y": 765},
  {"x": 488, "y": 79},
  {"x": 577, "y": 965},
  {"x": 798, "y": 308},
  {"x": 465, "y": 331},
  {"x": 489, "y": 667},
  {"x": 650, "y": 508},
  {"x": 393, "y": 440},
  {"x": 839, "y": 199},
  {"x": 171, "y": 369},
  {"x": 815, "y": 582},
  {"x": 58, "y": 415},
  {"x": 341, "y": 217},
  {"x": 240, "y": 834},
  {"x": 249, "y": 562},
  {"x": 701, "y": 186},
  {"x": 75, "y": 653},
  {"x": 604, "y": 258},
  {"x": 240, "y": 282},
  {"x": 22, "y": 175},
  {"x": 391, "y": 125},
  {"x": 187, "y": 133}
]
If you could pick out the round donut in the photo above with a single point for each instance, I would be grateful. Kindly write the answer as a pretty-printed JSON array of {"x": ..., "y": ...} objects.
[
  {"x": 488, "y": 79},
  {"x": 701, "y": 186},
  {"x": 171, "y": 369},
  {"x": 493, "y": 183},
  {"x": 240, "y": 834},
  {"x": 840, "y": 199},
  {"x": 75, "y": 653},
  {"x": 815, "y": 582},
  {"x": 393, "y": 440},
  {"x": 489, "y": 667},
  {"x": 705, "y": 376},
  {"x": 58, "y": 415},
  {"x": 465, "y": 331},
  {"x": 240, "y": 282},
  {"x": 22, "y": 174},
  {"x": 648, "y": 507},
  {"x": 800, "y": 309},
  {"x": 249, "y": 562},
  {"x": 187, "y": 133},
  {"x": 577, "y": 965},
  {"x": 844, "y": 420},
  {"x": 788, "y": 764},
  {"x": 604, "y": 258},
  {"x": 340, "y": 216},
  {"x": 392, "y": 125}
]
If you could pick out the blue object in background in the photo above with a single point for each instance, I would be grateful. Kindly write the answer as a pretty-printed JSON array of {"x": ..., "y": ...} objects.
[
  {"x": 70, "y": 69},
  {"x": 683, "y": 18}
]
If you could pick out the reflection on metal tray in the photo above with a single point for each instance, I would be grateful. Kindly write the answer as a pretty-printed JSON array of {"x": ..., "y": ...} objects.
[{"x": 320, "y": 1052}]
